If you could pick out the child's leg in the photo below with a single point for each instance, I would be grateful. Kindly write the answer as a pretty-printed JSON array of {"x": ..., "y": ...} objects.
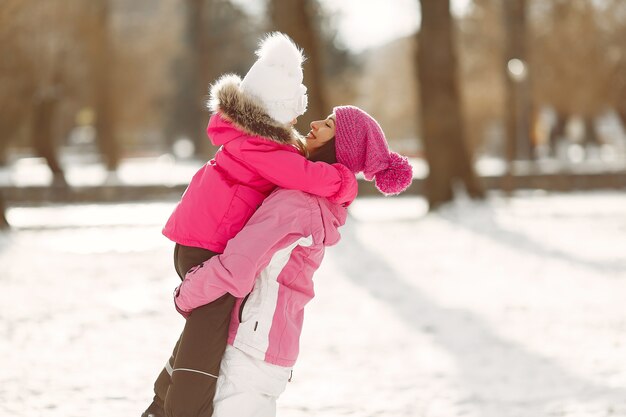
[
  {"x": 164, "y": 379},
  {"x": 198, "y": 358},
  {"x": 248, "y": 387},
  {"x": 185, "y": 257}
]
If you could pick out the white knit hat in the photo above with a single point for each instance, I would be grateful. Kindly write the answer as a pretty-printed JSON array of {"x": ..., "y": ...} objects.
[{"x": 276, "y": 78}]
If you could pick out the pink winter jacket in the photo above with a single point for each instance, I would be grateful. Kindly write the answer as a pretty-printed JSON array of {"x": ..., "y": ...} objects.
[
  {"x": 255, "y": 157},
  {"x": 271, "y": 263}
]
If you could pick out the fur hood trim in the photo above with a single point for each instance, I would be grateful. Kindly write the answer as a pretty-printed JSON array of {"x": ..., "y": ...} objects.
[{"x": 246, "y": 112}]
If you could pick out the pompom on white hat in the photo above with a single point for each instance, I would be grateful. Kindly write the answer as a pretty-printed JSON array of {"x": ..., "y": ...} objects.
[{"x": 275, "y": 79}]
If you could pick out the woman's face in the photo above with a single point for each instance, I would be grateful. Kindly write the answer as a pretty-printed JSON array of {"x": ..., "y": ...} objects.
[{"x": 321, "y": 132}]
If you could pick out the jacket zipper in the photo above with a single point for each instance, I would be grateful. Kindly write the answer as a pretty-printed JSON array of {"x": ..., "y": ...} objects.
[{"x": 243, "y": 303}]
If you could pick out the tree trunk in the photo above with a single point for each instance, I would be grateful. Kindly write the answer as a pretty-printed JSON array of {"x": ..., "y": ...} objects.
[
  {"x": 517, "y": 99},
  {"x": 4, "y": 145},
  {"x": 43, "y": 134},
  {"x": 105, "y": 100},
  {"x": 185, "y": 116},
  {"x": 591, "y": 134},
  {"x": 296, "y": 18},
  {"x": 621, "y": 112},
  {"x": 199, "y": 59},
  {"x": 557, "y": 132},
  {"x": 442, "y": 121},
  {"x": 4, "y": 224}
]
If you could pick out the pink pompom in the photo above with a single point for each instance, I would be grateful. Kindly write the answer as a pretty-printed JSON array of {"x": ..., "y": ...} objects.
[{"x": 397, "y": 177}]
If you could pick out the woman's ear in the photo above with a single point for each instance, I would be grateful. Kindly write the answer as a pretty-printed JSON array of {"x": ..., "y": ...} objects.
[{"x": 325, "y": 153}]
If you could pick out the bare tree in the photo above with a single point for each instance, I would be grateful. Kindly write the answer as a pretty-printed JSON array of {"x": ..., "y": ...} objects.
[
  {"x": 4, "y": 224},
  {"x": 442, "y": 121},
  {"x": 295, "y": 18},
  {"x": 44, "y": 140},
  {"x": 211, "y": 28},
  {"x": 621, "y": 112},
  {"x": 576, "y": 62},
  {"x": 581, "y": 78},
  {"x": 15, "y": 87},
  {"x": 613, "y": 21},
  {"x": 199, "y": 59},
  {"x": 557, "y": 131},
  {"x": 480, "y": 49},
  {"x": 30, "y": 76},
  {"x": 63, "y": 56},
  {"x": 517, "y": 94},
  {"x": 103, "y": 66},
  {"x": 47, "y": 72}
]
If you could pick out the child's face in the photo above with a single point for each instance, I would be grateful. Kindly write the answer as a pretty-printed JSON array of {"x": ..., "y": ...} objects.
[{"x": 321, "y": 132}]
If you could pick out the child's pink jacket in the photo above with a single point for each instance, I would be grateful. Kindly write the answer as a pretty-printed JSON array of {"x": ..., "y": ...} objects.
[
  {"x": 253, "y": 160},
  {"x": 273, "y": 260}
]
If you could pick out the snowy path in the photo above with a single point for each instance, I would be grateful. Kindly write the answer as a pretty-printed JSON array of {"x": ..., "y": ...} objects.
[{"x": 506, "y": 309}]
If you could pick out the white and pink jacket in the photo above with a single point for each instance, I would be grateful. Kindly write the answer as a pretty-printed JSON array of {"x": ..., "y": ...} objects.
[{"x": 270, "y": 262}]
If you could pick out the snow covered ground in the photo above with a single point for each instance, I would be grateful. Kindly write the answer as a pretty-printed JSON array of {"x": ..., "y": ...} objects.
[{"x": 511, "y": 308}]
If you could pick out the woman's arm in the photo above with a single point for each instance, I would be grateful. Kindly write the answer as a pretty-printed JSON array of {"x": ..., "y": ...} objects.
[{"x": 283, "y": 219}]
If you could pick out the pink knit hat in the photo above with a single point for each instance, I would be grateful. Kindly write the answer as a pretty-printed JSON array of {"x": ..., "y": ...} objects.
[{"x": 361, "y": 146}]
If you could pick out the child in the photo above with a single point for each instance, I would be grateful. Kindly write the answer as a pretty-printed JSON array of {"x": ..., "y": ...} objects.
[
  {"x": 275, "y": 256},
  {"x": 252, "y": 122}
]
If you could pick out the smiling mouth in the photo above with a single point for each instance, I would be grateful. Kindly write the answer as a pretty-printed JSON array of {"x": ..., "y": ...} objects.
[{"x": 311, "y": 135}]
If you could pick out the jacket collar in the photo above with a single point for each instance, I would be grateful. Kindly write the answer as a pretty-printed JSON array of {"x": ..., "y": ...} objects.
[{"x": 245, "y": 111}]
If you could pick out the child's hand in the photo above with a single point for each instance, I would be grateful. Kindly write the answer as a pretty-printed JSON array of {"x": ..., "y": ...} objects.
[{"x": 183, "y": 313}]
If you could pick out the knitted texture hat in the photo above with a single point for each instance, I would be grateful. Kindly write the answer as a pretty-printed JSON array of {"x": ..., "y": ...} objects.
[
  {"x": 361, "y": 146},
  {"x": 275, "y": 79}
]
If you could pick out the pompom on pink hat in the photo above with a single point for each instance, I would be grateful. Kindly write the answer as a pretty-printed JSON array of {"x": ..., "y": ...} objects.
[{"x": 361, "y": 146}]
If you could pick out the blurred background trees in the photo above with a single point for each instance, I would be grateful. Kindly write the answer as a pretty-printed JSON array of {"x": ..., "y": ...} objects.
[
  {"x": 518, "y": 80},
  {"x": 64, "y": 56},
  {"x": 213, "y": 35},
  {"x": 443, "y": 129},
  {"x": 4, "y": 224},
  {"x": 103, "y": 61},
  {"x": 300, "y": 20}
]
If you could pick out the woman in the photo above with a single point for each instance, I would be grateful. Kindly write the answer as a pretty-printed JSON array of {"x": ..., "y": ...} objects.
[
  {"x": 259, "y": 151},
  {"x": 269, "y": 265}
]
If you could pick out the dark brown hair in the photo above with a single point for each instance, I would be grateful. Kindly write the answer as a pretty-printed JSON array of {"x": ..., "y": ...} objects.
[
  {"x": 301, "y": 146},
  {"x": 325, "y": 153}
]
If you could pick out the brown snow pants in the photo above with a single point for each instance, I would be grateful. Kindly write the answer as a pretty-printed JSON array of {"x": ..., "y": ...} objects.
[{"x": 186, "y": 386}]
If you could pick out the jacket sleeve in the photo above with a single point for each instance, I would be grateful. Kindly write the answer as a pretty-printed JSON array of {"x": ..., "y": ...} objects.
[
  {"x": 288, "y": 169},
  {"x": 276, "y": 224}
]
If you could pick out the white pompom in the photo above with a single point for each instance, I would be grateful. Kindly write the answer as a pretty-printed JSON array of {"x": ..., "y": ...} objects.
[{"x": 277, "y": 49}]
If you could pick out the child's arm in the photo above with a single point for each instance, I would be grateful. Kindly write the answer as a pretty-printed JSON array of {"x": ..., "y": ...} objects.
[
  {"x": 288, "y": 169},
  {"x": 279, "y": 222}
]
